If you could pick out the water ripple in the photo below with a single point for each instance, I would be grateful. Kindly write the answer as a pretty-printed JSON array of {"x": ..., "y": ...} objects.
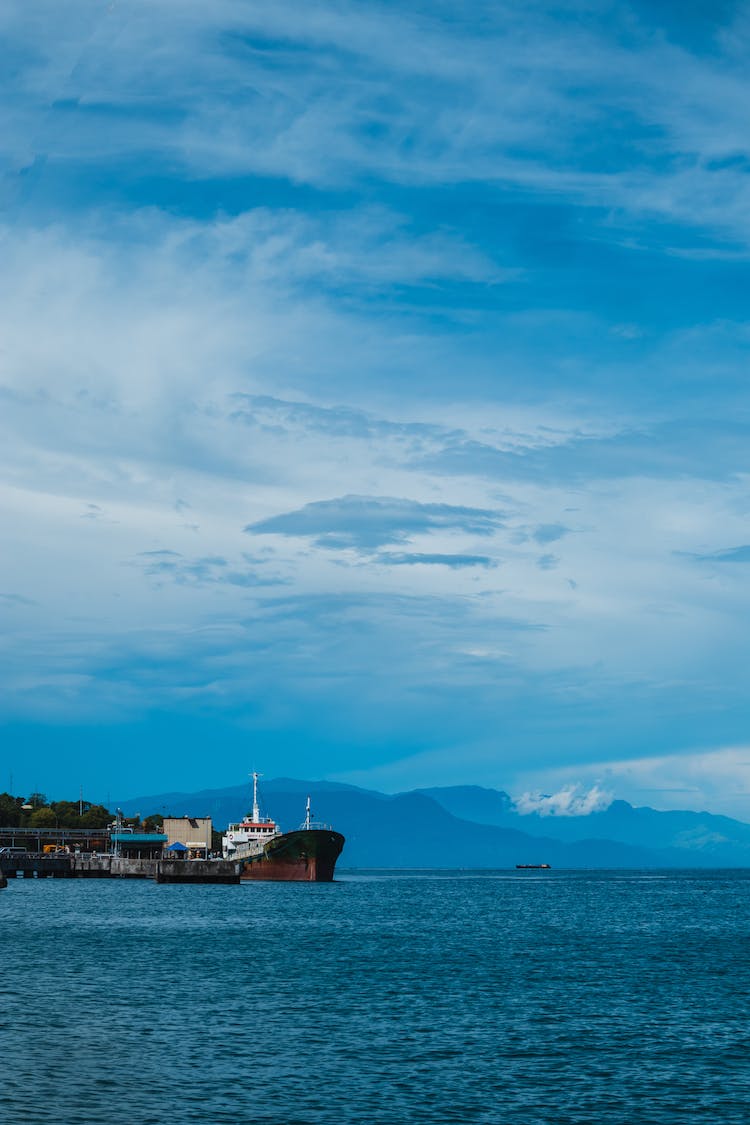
[{"x": 430, "y": 997}]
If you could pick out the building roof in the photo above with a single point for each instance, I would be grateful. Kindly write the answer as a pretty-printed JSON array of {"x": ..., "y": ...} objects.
[{"x": 139, "y": 837}]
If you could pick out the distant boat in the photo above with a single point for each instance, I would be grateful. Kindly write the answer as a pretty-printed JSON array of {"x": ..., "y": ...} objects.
[{"x": 532, "y": 867}]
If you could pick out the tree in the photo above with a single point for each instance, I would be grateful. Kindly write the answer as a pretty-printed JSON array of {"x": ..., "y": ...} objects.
[
  {"x": 11, "y": 812},
  {"x": 66, "y": 813},
  {"x": 57, "y": 814},
  {"x": 96, "y": 816},
  {"x": 43, "y": 818}
]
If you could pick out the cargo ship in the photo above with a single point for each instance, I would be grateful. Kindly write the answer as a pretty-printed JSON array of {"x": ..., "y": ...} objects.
[
  {"x": 307, "y": 854},
  {"x": 532, "y": 867}
]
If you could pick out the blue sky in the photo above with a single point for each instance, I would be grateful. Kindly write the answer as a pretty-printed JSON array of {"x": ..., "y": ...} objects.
[{"x": 373, "y": 396}]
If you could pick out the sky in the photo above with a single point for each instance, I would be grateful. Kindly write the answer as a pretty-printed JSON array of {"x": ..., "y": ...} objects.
[{"x": 373, "y": 396}]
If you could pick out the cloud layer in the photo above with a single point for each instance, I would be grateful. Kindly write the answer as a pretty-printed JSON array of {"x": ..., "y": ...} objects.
[{"x": 373, "y": 389}]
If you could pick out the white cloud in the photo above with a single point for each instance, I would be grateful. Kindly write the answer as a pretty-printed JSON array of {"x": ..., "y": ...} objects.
[
  {"x": 571, "y": 800},
  {"x": 123, "y": 362},
  {"x": 717, "y": 780},
  {"x": 331, "y": 95}
]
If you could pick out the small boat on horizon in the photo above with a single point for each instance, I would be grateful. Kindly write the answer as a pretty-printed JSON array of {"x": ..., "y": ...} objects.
[{"x": 533, "y": 867}]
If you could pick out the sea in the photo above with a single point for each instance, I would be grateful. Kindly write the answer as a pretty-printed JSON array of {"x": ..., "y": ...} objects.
[{"x": 395, "y": 997}]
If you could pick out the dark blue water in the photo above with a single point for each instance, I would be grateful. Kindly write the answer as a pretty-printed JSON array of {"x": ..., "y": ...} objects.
[{"x": 486, "y": 997}]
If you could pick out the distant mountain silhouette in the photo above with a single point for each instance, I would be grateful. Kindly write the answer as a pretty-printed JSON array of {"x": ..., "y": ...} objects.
[
  {"x": 720, "y": 839},
  {"x": 472, "y": 827}
]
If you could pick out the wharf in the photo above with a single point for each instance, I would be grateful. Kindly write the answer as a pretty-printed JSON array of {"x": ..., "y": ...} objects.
[
  {"x": 112, "y": 867},
  {"x": 197, "y": 871},
  {"x": 30, "y": 866}
]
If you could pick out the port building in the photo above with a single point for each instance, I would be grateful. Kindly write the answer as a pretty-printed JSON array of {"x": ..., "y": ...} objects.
[{"x": 190, "y": 832}]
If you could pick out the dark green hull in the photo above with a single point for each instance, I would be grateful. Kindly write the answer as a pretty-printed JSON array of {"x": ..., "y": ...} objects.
[{"x": 306, "y": 856}]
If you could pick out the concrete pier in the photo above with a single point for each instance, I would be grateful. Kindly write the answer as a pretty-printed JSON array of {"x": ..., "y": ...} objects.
[
  {"x": 30, "y": 866},
  {"x": 197, "y": 871},
  {"x": 113, "y": 867}
]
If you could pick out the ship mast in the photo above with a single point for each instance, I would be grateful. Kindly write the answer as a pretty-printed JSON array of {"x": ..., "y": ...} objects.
[
  {"x": 307, "y": 814},
  {"x": 256, "y": 809}
]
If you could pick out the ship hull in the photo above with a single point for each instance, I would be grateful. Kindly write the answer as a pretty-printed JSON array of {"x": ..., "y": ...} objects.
[{"x": 306, "y": 856}]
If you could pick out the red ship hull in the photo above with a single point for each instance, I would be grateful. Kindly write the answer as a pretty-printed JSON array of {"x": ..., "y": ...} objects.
[{"x": 306, "y": 856}]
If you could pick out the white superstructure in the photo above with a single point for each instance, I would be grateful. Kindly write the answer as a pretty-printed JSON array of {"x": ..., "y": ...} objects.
[{"x": 250, "y": 835}]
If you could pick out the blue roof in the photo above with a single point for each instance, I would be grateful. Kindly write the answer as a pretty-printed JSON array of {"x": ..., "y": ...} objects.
[
  {"x": 178, "y": 847},
  {"x": 139, "y": 837}
]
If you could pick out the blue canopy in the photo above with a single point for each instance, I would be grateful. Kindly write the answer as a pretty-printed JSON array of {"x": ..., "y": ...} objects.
[{"x": 178, "y": 847}]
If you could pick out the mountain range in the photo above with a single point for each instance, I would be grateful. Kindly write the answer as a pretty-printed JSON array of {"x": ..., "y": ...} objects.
[{"x": 474, "y": 827}]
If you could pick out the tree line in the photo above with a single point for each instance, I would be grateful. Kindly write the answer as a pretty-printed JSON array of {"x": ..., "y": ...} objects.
[{"x": 37, "y": 812}]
